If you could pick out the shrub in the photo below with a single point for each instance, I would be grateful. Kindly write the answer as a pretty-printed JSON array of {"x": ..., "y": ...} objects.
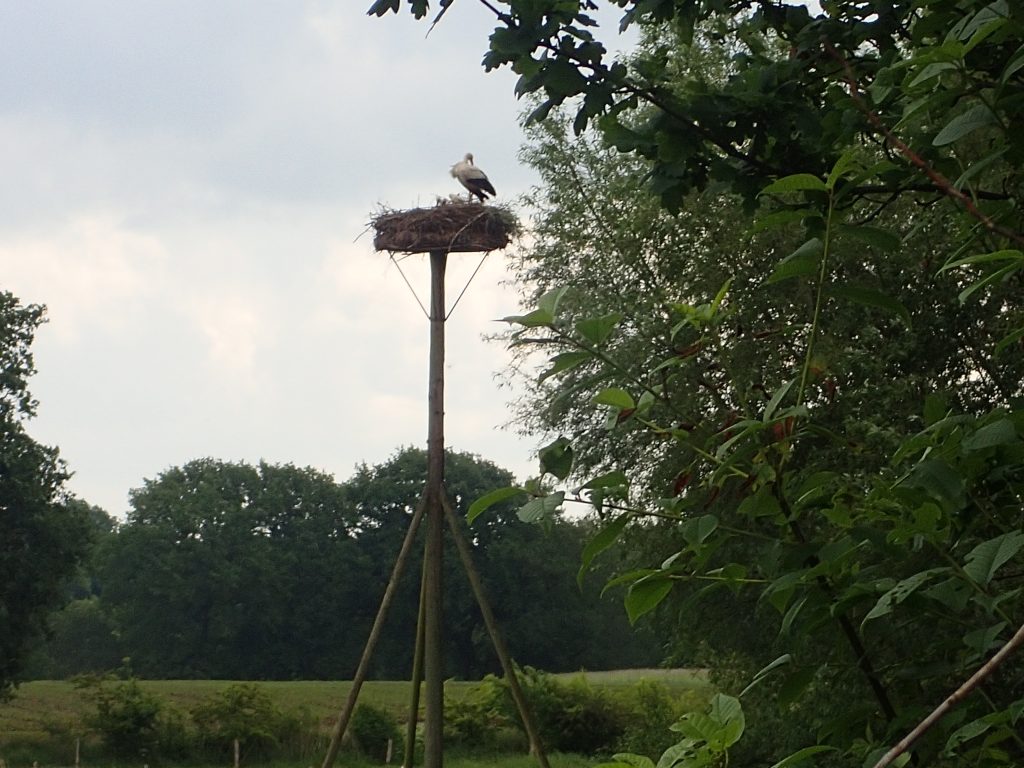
[
  {"x": 371, "y": 729},
  {"x": 571, "y": 717},
  {"x": 126, "y": 717},
  {"x": 479, "y": 718},
  {"x": 243, "y": 711},
  {"x": 651, "y": 711}
]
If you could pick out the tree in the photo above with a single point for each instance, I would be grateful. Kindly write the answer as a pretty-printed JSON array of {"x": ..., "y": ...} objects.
[
  {"x": 528, "y": 574},
  {"x": 811, "y": 430},
  {"x": 238, "y": 572},
  {"x": 932, "y": 87},
  {"x": 232, "y": 571},
  {"x": 43, "y": 537}
]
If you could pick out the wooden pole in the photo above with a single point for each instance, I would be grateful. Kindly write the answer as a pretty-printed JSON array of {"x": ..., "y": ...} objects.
[
  {"x": 417, "y": 679},
  {"x": 433, "y": 723},
  {"x": 476, "y": 584},
  {"x": 378, "y": 623}
]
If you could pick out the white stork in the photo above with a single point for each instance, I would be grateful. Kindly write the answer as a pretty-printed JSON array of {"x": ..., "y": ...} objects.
[{"x": 472, "y": 178}]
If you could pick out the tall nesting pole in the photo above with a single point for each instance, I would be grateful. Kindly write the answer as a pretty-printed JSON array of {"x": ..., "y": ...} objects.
[
  {"x": 433, "y": 736},
  {"x": 439, "y": 231}
]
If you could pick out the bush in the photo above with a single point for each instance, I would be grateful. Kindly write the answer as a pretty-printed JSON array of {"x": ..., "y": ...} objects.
[
  {"x": 651, "y": 711},
  {"x": 243, "y": 711},
  {"x": 570, "y": 717},
  {"x": 371, "y": 730},
  {"x": 574, "y": 716},
  {"x": 126, "y": 717},
  {"x": 478, "y": 718}
]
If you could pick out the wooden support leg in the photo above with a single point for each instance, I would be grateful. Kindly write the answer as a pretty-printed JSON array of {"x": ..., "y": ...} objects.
[
  {"x": 466, "y": 555},
  {"x": 378, "y": 623}
]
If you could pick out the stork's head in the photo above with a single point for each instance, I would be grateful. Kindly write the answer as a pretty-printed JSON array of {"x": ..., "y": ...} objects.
[{"x": 469, "y": 157}]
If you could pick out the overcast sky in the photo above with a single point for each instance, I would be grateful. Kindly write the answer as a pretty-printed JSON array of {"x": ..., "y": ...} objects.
[{"x": 186, "y": 187}]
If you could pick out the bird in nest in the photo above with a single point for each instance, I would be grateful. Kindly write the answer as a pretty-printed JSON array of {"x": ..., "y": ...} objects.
[{"x": 472, "y": 178}]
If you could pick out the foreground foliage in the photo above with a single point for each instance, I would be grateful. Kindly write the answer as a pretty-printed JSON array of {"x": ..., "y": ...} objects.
[
  {"x": 797, "y": 379},
  {"x": 44, "y": 534}
]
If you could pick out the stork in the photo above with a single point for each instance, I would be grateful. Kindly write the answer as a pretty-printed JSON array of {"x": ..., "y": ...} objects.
[{"x": 472, "y": 178}]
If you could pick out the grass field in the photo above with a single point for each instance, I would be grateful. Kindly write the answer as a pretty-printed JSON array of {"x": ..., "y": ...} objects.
[{"x": 45, "y": 707}]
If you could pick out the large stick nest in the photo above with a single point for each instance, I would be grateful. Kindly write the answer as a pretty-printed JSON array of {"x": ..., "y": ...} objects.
[{"x": 451, "y": 227}]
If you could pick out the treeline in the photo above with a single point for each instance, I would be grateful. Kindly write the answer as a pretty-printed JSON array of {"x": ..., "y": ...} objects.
[{"x": 232, "y": 571}]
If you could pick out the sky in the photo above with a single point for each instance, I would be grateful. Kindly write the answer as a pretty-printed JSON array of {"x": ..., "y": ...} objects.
[{"x": 187, "y": 188}]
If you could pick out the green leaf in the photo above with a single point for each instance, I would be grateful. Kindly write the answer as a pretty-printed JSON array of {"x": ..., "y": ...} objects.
[
  {"x": 876, "y": 237},
  {"x": 769, "y": 410},
  {"x": 801, "y": 262},
  {"x": 761, "y": 504},
  {"x": 614, "y": 479},
  {"x": 380, "y": 7},
  {"x": 1008, "y": 340},
  {"x": 984, "y": 23},
  {"x": 541, "y": 507},
  {"x": 997, "y": 433},
  {"x": 939, "y": 480},
  {"x": 984, "y": 560},
  {"x": 720, "y": 296},
  {"x": 967, "y": 732},
  {"x": 963, "y": 124},
  {"x": 1015, "y": 64},
  {"x": 984, "y": 639},
  {"x": 615, "y": 397},
  {"x": 629, "y": 760},
  {"x": 798, "y": 182},
  {"x": 565, "y": 362},
  {"x": 678, "y": 756},
  {"x": 540, "y": 113},
  {"x": 535, "y": 319},
  {"x": 977, "y": 167},
  {"x": 794, "y": 686},
  {"x": 741, "y": 430},
  {"x": 766, "y": 670},
  {"x": 791, "y": 614},
  {"x": 779, "y": 592},
  {"x": 778, "y": 219},
  {"x": 870, "y": 298},
  {"x": 697, "y": 530},
  {"x": 728, "y": 711},
  {"x": 601, "y": 541},
  {"x": 561, "y": 78},
  {"x": 549, "y": 301},
  {"x": 936, "y": 408},
  {"x": 843, "y": 164},
  {"x": 954, "y": 593},
  {"x": 645, "y": 595},
  {"x": 900, "y": 592},
  {"x": 488, "y": 500},
  {"x": 984, "y": 258},
  {"x": 556, "y": 458},
  {"x": 596, "y": 330},
  {"x": 931, "y": 70},
  {"x": 995, "y": 277},
  {"x": 801, "y": 755}
]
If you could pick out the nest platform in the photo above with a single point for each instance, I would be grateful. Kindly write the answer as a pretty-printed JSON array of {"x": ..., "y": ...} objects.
[{"x": 449, "y": 227}]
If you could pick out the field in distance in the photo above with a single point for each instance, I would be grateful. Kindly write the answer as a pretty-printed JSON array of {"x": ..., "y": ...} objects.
[{"x": 47, "y": 706}]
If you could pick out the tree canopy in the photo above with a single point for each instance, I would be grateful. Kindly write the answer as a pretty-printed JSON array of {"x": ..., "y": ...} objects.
[
  {"x": 229, "y": 570},
  {"x": 783, "y": 329},
  {"x": 43, "y": 536}
]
